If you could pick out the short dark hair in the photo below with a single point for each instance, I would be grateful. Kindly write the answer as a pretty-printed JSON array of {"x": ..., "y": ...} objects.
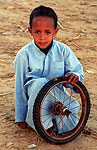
[{"x": 43, "y": 11}]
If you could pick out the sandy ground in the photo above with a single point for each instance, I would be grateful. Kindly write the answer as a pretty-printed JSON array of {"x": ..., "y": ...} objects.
[{"x": 79, "y": 21}]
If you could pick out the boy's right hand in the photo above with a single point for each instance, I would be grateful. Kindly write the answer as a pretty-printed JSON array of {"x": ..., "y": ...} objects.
[{"x": 22, "y": 125}]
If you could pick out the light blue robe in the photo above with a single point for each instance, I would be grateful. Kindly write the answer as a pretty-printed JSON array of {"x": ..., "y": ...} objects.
[{"x": 33, "y": 69}]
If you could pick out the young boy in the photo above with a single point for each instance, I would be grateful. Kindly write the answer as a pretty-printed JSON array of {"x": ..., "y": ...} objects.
[{"x": 40, "y": 61}]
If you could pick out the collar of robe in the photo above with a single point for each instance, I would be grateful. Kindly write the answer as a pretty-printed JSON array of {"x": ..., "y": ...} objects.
[{"x": 45, "y": 50}]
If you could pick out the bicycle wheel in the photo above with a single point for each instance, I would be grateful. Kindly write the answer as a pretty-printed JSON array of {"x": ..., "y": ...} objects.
[{"x": 65, "y": 104}]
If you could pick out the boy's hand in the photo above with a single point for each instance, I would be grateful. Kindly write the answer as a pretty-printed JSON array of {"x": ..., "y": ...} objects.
[
  {"x": 73, "y": 78},
  {"x": 22, "y": 125}
]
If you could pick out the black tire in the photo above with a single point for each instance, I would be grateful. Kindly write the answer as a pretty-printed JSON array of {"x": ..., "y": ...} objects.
[{"x": 78, "y": 118}]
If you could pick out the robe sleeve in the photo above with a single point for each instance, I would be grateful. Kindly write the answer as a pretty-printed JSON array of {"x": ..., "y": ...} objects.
[
  {"x": 21, "y": 104},
  {"x": 72, "y": 64}
]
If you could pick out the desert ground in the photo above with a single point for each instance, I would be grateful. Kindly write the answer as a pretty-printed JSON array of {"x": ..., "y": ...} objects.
[{"x": 78, "y": 19}]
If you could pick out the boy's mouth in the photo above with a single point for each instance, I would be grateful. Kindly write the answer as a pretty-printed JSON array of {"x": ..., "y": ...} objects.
[{"x": 42, "y": 43}]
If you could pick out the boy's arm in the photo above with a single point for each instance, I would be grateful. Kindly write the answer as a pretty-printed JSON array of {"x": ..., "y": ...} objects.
[
  {"x": 73, "y": 68},
  {"x": 21, "y": 104}
]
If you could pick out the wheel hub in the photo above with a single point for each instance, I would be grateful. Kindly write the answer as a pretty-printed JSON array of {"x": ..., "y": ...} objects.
[{"x": 59, "y": 109}]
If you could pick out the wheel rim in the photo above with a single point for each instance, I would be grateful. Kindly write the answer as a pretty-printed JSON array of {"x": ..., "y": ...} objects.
[{"x": 54, "y": 105}]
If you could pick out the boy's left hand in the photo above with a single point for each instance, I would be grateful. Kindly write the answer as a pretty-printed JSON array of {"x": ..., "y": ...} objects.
[{"x": 73, "y": 78}]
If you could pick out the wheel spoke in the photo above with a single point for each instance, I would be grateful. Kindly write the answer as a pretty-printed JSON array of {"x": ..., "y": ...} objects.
[
  {"x": 75, "y": 113},
  {"x": 54, "y": 94},
  {"x": 67, "y": 98},
  {"x": 44, "y": 108},
  {"x": 72, "y": 119},
  {"x": 54, "y": 97},
  {"x": 44, "y": 115},
  {"x": 74, "y": 116},
  {"x": 63, "y": 123},
  {"x": 50, "y": 101},
  {"x": 70, "y": 102},
  {"x": 47, "y": 118},
  {"x": 74, "y": 107},
  {"x": 49, "y": 123}
]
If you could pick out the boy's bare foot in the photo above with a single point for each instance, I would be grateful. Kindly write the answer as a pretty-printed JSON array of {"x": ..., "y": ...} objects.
[
  {"x": 22, "y": 125},
  {"x": 53, "y": 130}
]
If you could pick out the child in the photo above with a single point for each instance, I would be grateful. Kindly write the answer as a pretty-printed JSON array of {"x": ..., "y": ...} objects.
[{"x": 40, "y": 61}]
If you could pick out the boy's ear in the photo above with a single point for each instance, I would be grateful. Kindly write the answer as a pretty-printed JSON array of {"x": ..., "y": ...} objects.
[
  {"x": 55, "y": 32},
  {"x": 30, "y": 30}
]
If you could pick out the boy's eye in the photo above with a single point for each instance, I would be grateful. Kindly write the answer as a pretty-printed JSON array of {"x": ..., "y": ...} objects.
[
  {"x": 47, "y": 32},
  {"x": 37, "y": 32}
]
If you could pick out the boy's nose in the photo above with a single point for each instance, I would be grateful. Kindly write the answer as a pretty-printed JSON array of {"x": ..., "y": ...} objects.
[{"x": 42, "y": 36}]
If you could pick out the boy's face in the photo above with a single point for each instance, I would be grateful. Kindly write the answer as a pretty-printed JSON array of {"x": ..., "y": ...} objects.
[{"x": 43, "y": 31}]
